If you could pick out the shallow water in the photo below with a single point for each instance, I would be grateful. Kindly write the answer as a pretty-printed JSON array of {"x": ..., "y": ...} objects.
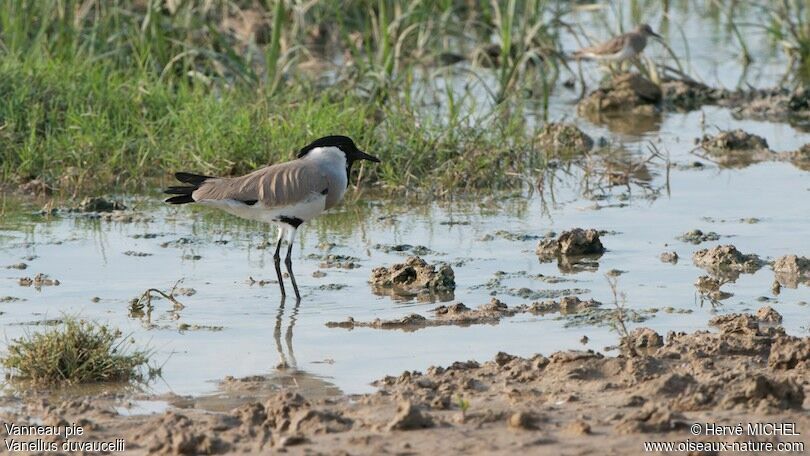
[
  {"x": 642, "y": 220},
  {"x": 88, "y": 259}
]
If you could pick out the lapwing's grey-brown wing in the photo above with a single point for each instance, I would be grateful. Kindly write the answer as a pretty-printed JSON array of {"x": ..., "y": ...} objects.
[
  {"x": 609, "y": 47},
  {"x": 274, "y": 186}
]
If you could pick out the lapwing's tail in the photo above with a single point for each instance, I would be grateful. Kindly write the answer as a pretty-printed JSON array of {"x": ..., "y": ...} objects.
[{"x": 184, "y": 191}]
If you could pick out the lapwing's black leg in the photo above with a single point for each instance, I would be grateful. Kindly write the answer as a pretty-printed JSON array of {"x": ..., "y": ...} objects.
[
  {"x": 277, "y": 261},
  {"x": 288, "y": 263}
]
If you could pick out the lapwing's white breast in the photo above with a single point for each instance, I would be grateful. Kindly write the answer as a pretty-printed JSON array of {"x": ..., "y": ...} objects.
[{"x": 331, "y": 161}]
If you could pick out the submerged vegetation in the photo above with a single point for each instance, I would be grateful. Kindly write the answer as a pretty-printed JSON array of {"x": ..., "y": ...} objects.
[{"x": 75, "y": 351}]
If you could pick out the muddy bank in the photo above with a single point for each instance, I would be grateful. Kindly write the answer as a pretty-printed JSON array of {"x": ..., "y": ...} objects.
[
  {"x": 746, "y": 371},
  {"x": 633, "y": 93},
  {"x": 631, "y": 96}
]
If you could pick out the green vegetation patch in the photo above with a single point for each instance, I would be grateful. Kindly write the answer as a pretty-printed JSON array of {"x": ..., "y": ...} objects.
[
  {"x": 106, "y": 96},
  {"x": 75, "y": 351}
]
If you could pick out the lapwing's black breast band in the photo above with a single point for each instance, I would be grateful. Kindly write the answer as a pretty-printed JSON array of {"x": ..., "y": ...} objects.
[{"x": 294, "y": 222}]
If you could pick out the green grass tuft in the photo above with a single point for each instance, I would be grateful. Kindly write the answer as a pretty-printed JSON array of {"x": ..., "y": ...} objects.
[{"x": 74, "y": 352}]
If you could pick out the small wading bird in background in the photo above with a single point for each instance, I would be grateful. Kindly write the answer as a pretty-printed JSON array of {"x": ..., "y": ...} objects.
[
  {"x": 285, "y": 194},
  {"x": 618, "y": 49}
]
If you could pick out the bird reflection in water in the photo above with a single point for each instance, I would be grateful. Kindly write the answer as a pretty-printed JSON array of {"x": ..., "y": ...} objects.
[{"x": 286, "y": 361}]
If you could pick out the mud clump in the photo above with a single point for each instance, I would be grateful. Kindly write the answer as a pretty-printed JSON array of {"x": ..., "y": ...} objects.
[
  {"x": 523, "y": 420},
  {"x": 566, "y": 305},
  {"x": 690, "y": 95},
  {"x": 38, "y": 281},
  {"x": 134, "y": 253},
  {"x": 745, "y": 324},
  {"x": 779, "y": 104},
  {"x": 121, "y": 216},
  {"x": 629, "y": 92},
  {"x": 763, "y": 391},
  {"x": 564, "y": 138},
  {"x": 99, "y": 204},
  {"x": 669, "y": 257},
  {"x": 407, "y": 323},
  {"x": 643, "y": 338},
  {"x": 788, "y": 353},
  {"x": 404, "y": 248},
  {"x": 652, "y": 418},
  {"x": 175, "y": 434},
  {"x": 801, "y": 158},
  {"x": 510, "y": 236},
  {"x": 733, "y": 140},
  {"x": 339, "y": 262},
  {"x": 414, "y": 277},
  {"x": 724, "y": 259},
  {"x": 319, "y": 422},
  {"x": 791, "y": 270},
  {"x": 736, "y": 148},
  {"x": 768, "y": 315},
  {"x": 697, "y": 236},
  {"x": 408, "y": 418},
  {"x": 576, "y": 242},
  {"x": 456, "y": 314},
  {"x": 491, "y": 313}
]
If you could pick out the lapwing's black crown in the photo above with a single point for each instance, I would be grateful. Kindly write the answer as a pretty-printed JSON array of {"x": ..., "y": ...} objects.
[{"x": 343, "y": 143}]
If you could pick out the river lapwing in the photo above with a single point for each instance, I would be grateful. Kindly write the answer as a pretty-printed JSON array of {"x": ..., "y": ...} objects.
[
  {"x": 284, "y": 194},
  {"x": 623, "y": 47}
]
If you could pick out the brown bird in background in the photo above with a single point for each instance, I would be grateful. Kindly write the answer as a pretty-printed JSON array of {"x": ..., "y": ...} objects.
[{"x": 623, "y": 47}]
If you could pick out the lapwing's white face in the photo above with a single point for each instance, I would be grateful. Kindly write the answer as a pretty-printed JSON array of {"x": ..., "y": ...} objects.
[{"x": 330, "y": 156}]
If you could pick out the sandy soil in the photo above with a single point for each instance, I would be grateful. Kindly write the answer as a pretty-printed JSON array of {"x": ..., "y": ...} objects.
[{"x": 571, "y": 402}]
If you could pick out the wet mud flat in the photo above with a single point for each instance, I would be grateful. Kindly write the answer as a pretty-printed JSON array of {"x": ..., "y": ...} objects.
[{"x": 745, "y": 370}]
